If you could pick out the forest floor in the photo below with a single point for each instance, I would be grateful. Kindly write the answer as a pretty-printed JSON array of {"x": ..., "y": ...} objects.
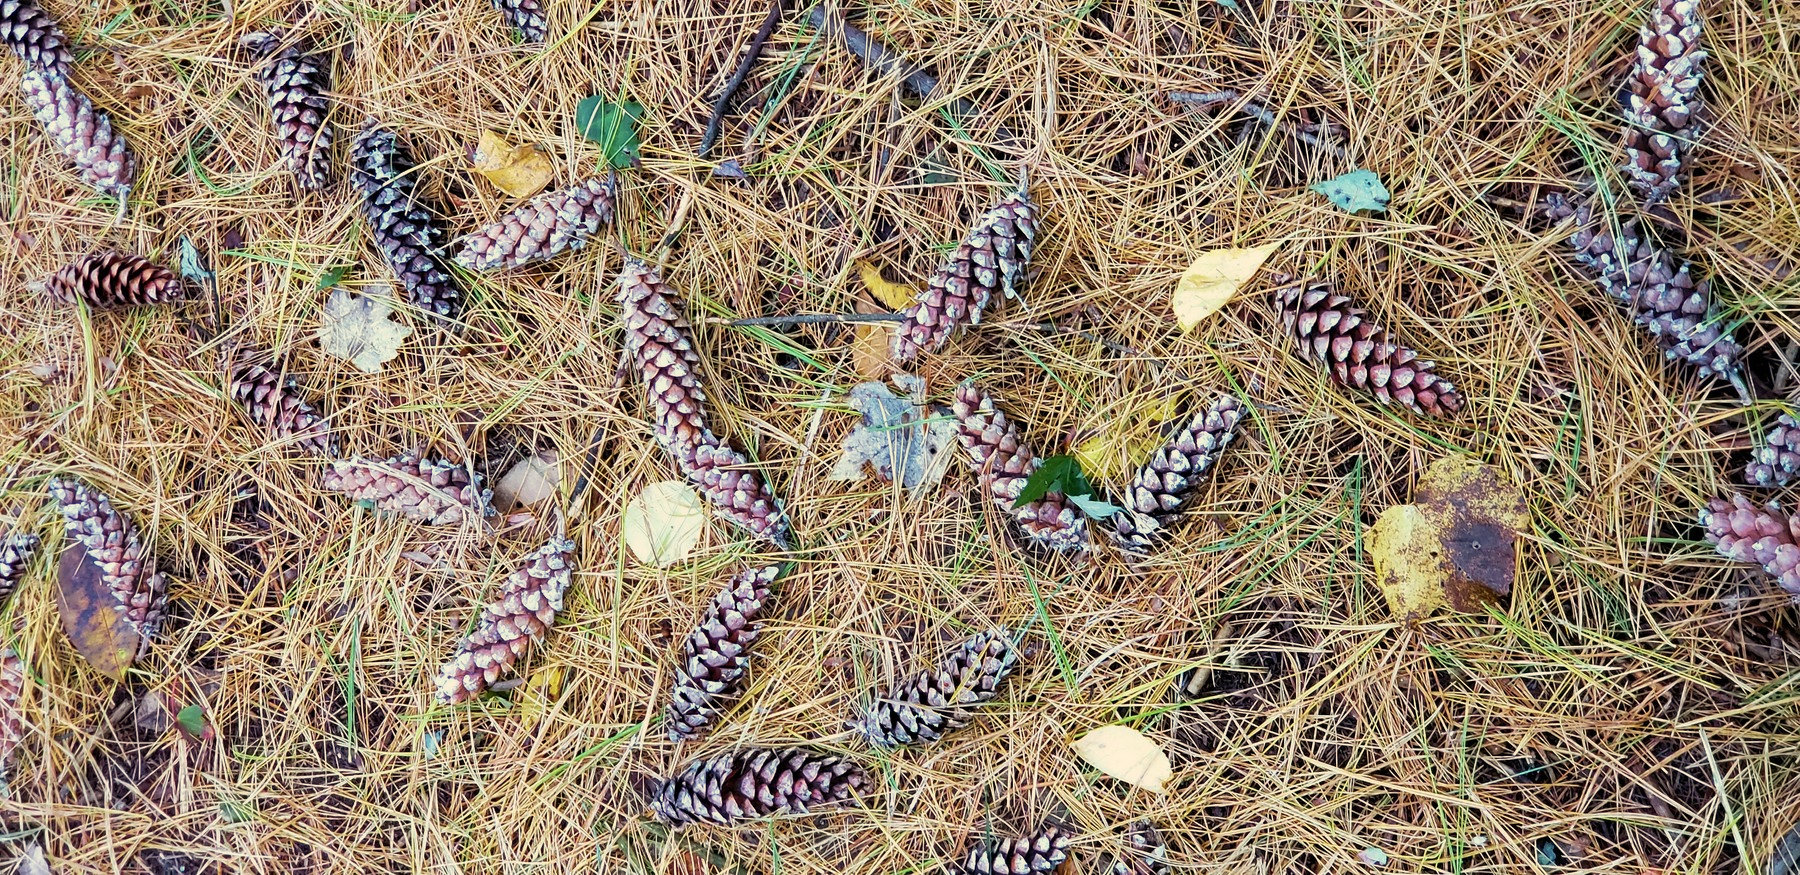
[{"x": 1629, "y": 708}]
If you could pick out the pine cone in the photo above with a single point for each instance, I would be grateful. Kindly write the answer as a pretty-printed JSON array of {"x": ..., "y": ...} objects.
[
  {"x": 1766, "y": 536},
  {"x": 406, "y": 232},
  {"x": 993, "y": 256},
  {"x": 297, "y": 82},
  {"x": 1146, "y": 853},
  {"x": 1662, "y": 101},
  {"x": 1664, "y": 298},
  {"x": 716, "y": 654},
  {"x": 942, "y": 700},
  {"x": 1002, "y": 461},
  {"x": 1163, "y": 486},
  {"x": 724, "y": 477},
  {"x": 1778, "y": 459},
  {"x": 430, "y": 492},
  {"x": 1034, "y": 854},
  {"x": 274, "y": 402},
  {"x": 12, "y": 717},
  {"x": 1341, "y": 337},
  {"x": 543, "y": 227},
  {"x": 527, "y": 17},
  {"x": 83, "y": 134},
  {"x": 529, "y": 600},
  {"x": 756, "y": 782},
  {"x": 35, "y": 37},
  {"x": 115, "y": 279},
  {"x": 15, "y": 556},
  {"x": 111, "y": 542}
]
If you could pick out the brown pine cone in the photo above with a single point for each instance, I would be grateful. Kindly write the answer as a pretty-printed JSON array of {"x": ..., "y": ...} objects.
[
  {"x": 12, "y": 716},
  {"x": 756, "y": 782},
  {"x": 716, "y": 654},
  {"x": 1662, "y": 101},
  {"x": 1165, "y": 484},
  {"x": 527, "y": 17},
  {"x": 724, "y": 477},
  {"x": 274, "y": 402},
  {"x": 1145, "y": 852},
  {"x": 407, "y": 233},
  {"x": 1664, "y": 298},
  {"x": 111, "y": 542},
  {"x": 15, "y": 557},
  {"x": 83, "y": 134},
  {"x": 35, "y": 37},
  {"x": 297, "y": 82},
  {"x": 430, "y": 492},
  {"x": 1778, "y": 459},
  {"x": 1002, "y": 462},
  {"x": 1767, "y": 536},
  {"x": 1342, "y": 338},
  {"x": 115, "y": 279},
  {"x": 541, "y": 228},
  {"x": 529, "y": 600},
  {"x": 992, "y": 257},
  {"x": 1035, "y": 854},
  {"x": 943, "y": 699}
]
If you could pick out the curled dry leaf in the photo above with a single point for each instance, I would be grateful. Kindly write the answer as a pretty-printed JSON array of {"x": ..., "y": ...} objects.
[
  {"x": 356, "y": 328},
  {"x": 894, "y": 296},
  {"x": 663, "y": 524},
  {"x": 520, "y": 171},
  {"x": 1455, "y": 545},
  {"x": 897, "y": 437},
  {"x": 532, "y": 480},
  {"x": 1127, "y": 755},
  {"x": 90, "y": 614},
  {"x": 1211, "y": 280}
]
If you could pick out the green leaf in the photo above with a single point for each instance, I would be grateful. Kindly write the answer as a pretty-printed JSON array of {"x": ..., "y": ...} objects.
[
  {"x": 192, "y": 719},
  {"x": 1095, "y": 508},
  {"x": 614, "y": 126},
  {"x": 332, "y": 276},
  {"x": 1355, "y": 191},
  {"x": 1052, "y": 475}
]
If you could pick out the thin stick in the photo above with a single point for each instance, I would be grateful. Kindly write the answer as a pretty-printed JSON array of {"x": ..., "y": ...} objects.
[
  {"x": 737, "y": 77},
  {"x": 1053, "y": 328},
  {"x": 884, "y": 60},
  {"x": 1256, "y": 111},
  {"x": 811, "y": 319}
]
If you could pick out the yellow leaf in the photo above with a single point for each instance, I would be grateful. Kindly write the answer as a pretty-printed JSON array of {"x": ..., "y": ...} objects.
[
  {"x": 1212, "y": 279},
  {"x": 1127, "y": 438},
  {"x": 1127, "y": 755},
  {"x": 872, "y": 351},
  {"x": 91, "y": 616},
  {"x": 521, "y": 172},
  {"x": 541, "y": 687},
  {"x": 663, "y": 524},
  {"x": 1455, "y": 546},
  {"x": 893, "y": 296}
]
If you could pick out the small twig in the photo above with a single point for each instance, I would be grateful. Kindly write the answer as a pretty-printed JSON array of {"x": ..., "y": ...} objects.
[
  {"x": 737, "y": 77},
  {"x": 1207, "y": 99},
  {"x": 1053, "y": 328},
  {"x": 884, "y": 60},
  {"x": 811, "y": 319}
]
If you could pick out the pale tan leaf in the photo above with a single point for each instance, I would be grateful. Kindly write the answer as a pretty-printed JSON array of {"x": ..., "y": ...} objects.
[
  {"x": 663, "y": 524},
  {"x": 1127, "y": 755},
  {"x": 1211, "y": 280},
  {"x": 893, "y": 296},
  {"x": 356, "y": 328},
  {"x": 898, "y": 437},
  {"x": 532, "y": 480},
  {"x": 520, "y": 171},
  {"x": 872, "y": 351}
]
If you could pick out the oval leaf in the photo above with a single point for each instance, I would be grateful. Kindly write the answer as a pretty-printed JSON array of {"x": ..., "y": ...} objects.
[
  {"x": 1211, "y": 280},
  {"x": 613, "y": 126},
  {"x": 663, "y": 524},
  {"x": 532, "y": 480},
  {"x": 1355, "y": 191},
  {"x": 1127, "y": 755},
  {"x": 91, "y": 616}
]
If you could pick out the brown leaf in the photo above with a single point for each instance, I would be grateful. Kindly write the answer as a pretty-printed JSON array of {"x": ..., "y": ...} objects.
[
  {"x": 519, "y": 171},
  {"x": 91, "y": 616},
  {"x": 1456, "y": 545},
  {"x": 872, "y": 351}
]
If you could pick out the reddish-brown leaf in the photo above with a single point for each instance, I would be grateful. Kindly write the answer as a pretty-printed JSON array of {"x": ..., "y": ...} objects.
[{"x": 91, "y": 616}]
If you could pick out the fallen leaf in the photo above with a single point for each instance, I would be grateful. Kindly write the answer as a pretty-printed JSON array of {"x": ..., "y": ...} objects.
[
  {"x": 539, "y": 691},
  {"x": 90, "y": 614},
  {"x": 1127, "y": 755},
  {"x": 897, "y": 437},
  {"x": 32, "y": 862},
  {"x": 1355, "y": 191},
  {"x": 894, "y": 296},
  {"x": 1063, "y": 474},
  {"x": 332, "y": 276},
  {"x": 192, "y": 720},
  {"x": 1785, "y": 859},
  {"x": 520, "y": 171},
  {"x": 1456, "y": 545},
  {"x": 730, "y": 169},
  {"x": 356, "y": 328},
  {"x": 431, "y": 743},
  {"x": 1211, "y": 280},
  {"x": 193, "y": 264},
  {"x": 1373, "y": 856},
  {"x": 663, "y": 524},
  {"x": 614, "y": 126},
  {"x": 1126, "y": 437},
  {"x": 1095, "y": 508},
  {"x": 532, "y": 480},
  {"x": 872, "y": 351}
]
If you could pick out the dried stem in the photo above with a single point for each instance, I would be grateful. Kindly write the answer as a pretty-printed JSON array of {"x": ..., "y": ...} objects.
[
  {"x": 737, "y": 77},
  {"x": 884, "y": 60}
]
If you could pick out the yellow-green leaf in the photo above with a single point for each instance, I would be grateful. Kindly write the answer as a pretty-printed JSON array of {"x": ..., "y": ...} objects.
[
  {"x": 893, "y": 296},
  {"x": 663, "y": 524},
  {"x": 520, "y": 171},
  {"x": 1127, "y": 755},
  {"x": 1126, "y": 438},
  {"x": 1455, "y": 546},
  {"x": 1211, "y": 280}
]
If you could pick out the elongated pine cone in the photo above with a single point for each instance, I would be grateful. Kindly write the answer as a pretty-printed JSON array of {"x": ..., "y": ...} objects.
[
  {"x": 114, "y": 279},
  {"x": 1662, "y": 102},
  {"x": 517, "y": 620},
  {"x": 1002, "y": 461},
  {"x": 1767, "y": 536},
  {"x": 541, "y": 228},
  {"x": 1778, "y": 459},
  {"x": 724, "y": 477},
  {"x": 430, "y": 492},
  {"x": 1035, "y": 854},
  {"x": 527, "y": 17},
  {"x": 1664, "y": 297},
  {"x": 992, "y": 257},
  {"x": 274, "y": 401},
  {"x": 35, "y": 37},
  {"x": 12, "y": 716},
  {"x": 1341, "y": 337},
  {"x": 15, "y": 555},
  {"x": 716, "y": 654},
  {"x": 943, "y": 699},
  {"x": 1165, "y": 483},
  {"x": 756, "y": 782},
  {"x": 405, "y": 230},
  {"x": 297, "y": 81},
  {"x": 112, "y": 543},
  {"x": 1145, "y": 852},
  {"x": 83, "y": 134}
]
